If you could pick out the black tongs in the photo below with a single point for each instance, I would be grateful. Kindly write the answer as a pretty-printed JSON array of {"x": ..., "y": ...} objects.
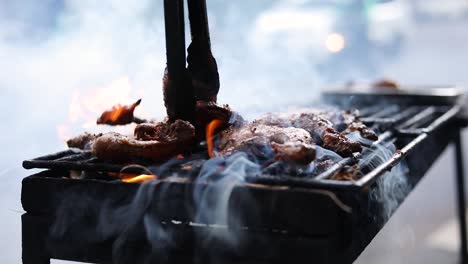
[{"x": 199, "y": 81}]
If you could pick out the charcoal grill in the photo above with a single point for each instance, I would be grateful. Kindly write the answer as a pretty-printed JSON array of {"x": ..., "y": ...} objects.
[{"x": 278, "y": 218}]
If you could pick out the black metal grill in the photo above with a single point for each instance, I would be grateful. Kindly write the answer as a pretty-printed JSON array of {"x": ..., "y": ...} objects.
[
  {"x": 405, "y": 126},
  {"x": 281, "y": 218}
]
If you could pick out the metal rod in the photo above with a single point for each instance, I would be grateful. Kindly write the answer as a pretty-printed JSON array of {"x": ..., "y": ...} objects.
[
  {"x": 460, "y": 182},
  {"x": 77, "y": 165},
  {"x": 178, "y": 91},
  {"x": 418, "y": 118},
  {"x": 372, "y": 176},
  {"x": 199, "y": 26},
  {"x": 175, "y": 37},
  {"x": 60, "y": 154}
]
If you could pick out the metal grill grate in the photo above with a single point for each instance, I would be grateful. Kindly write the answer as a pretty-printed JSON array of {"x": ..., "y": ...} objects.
[{"x": 393, "y": 122}]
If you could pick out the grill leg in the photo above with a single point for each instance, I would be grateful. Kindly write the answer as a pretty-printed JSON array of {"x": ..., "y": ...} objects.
[
  {"x": 460, "y": 185},
  {"x": 34, "y": 232}
]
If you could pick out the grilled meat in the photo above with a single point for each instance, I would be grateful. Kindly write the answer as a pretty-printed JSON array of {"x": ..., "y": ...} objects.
[
  {"x": 347, "y": 122},
  {"x": 209, "y": 111},
  {"x": 323, "y": 131},
  {"x": 265, "y": 141},
  {"x": 297, "y": 152},
  {"x": 83, "y": 141},
  {"x": 201, "y": 64},
  {"x": 155, "y": 142}
]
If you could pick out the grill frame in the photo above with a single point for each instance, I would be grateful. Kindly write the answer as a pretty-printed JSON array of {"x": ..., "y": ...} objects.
[{"x": 338, "y": 235}]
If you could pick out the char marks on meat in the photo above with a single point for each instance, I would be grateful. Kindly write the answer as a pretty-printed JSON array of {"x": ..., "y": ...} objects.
[
  {"x": 208, "y": 111},
  {"x": 260, "y": 140},
  {"x": 83, "y": 141},
  {"x": 155, "y": 142},
  {"x": 327, "y": 128},
  {"x": 348, "y": 122}
]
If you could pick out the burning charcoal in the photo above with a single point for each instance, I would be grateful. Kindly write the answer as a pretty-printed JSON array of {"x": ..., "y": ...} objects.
[
  {"x": 120, "y": 115},
  {"x": 83, "y": 141},
  {"x": 166, "y": 141}
]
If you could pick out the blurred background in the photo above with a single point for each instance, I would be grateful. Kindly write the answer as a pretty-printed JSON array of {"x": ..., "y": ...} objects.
[{"x": 62, "y": 62}]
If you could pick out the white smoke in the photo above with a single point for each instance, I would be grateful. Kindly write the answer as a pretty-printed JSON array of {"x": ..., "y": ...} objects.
[{"x": 51, "y": 48}]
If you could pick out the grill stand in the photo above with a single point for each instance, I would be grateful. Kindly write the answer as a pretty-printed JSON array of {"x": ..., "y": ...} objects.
[{"x": 460, "y": 185}]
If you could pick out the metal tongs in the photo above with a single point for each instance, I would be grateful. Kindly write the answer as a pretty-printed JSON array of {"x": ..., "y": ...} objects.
[{"x": 199, "y": 81}]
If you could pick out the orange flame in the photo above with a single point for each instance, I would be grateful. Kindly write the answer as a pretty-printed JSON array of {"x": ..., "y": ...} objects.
[
  {"x": 118, "y": 115},
  {"x": 140, "y": 178},
  {"x": 210, "y": 131}
]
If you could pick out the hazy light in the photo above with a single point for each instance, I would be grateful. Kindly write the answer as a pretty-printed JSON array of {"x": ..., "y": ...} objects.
[{"x": 335, "y": 42}]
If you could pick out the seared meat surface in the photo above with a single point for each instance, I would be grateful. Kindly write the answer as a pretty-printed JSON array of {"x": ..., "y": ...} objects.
[
  {"x": 83, "y": 141},
  {"x": 207, "y": 112},
  {"x": 319, "y": 126},
  {"x": 264, "y": 141},
  {"x": 324, "y": 133},
  {"x": 348, "y": 122},
  {"x": 155, "y": 142}
]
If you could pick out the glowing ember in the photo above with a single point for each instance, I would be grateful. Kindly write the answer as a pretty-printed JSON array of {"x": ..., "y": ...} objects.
[
  {"x": 119, "y": 115},
  {"x": 139, "y": 178},
  {"x": 210, "y": 131}
]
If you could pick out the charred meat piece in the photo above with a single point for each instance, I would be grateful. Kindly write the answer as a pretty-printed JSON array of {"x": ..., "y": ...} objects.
[
  {"x": 204, "y": 73},
  {"x": 347, "y": 122},
  {"x": 83, "y": 141},
  {"x": 297, "y": 152},
  {"x": 200, "y": 61},
  {"x": 155, "y": 142},
  {"x": 209, "y": 111},
  {"x": 320, "y": 128},
  {"x": 120, "y": 115},
  {"x": 264, "y": 142},
  {"x": 164, "y": 131}
]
